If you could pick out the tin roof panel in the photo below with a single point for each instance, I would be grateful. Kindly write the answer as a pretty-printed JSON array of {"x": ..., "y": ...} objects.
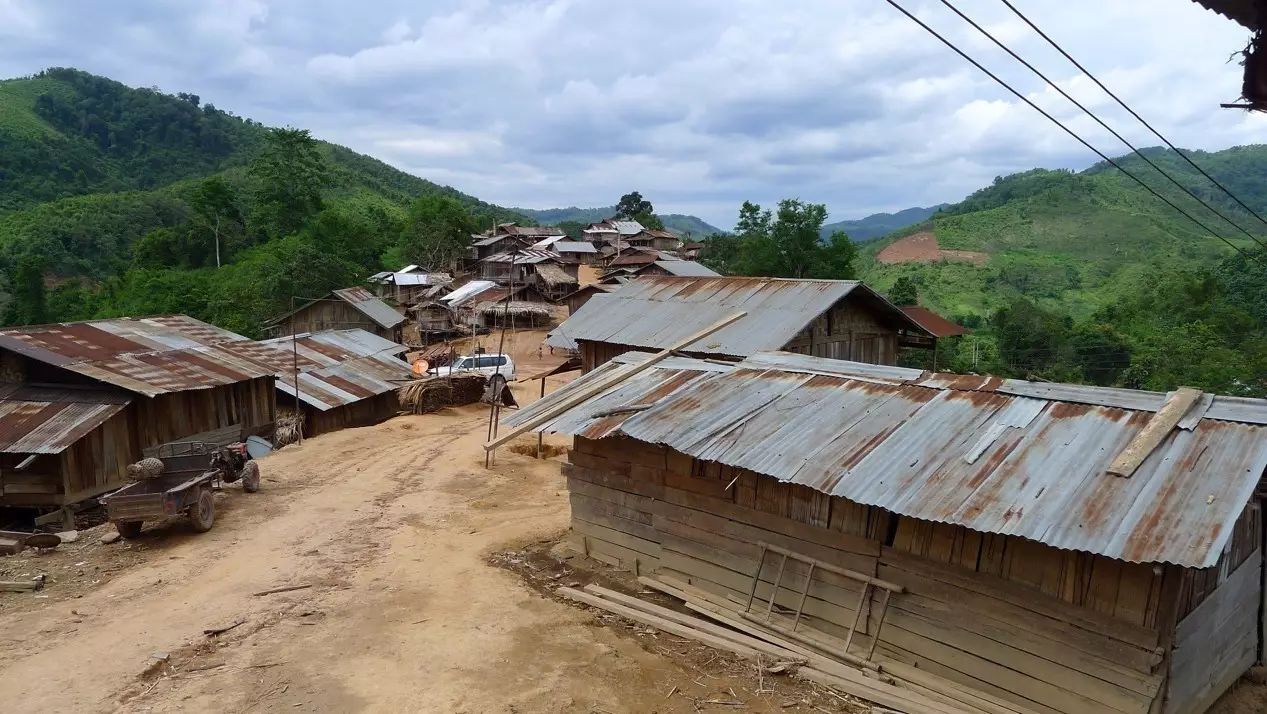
[
  {"x": 1017, "y": 461},
  {"x": 47, "y": 420}
]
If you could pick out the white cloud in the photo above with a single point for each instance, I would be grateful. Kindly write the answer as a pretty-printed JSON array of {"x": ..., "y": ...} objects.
[{"x": 698, "y": 104}]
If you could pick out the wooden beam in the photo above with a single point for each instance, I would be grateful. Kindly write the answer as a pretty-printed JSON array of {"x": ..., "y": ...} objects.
[
  {"x": 610, "y": 381},
  {"x": 1154, "y": 432}
]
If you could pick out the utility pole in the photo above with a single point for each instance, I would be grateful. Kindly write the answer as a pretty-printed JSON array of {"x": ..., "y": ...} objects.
[{"x": 216, "y": 230}]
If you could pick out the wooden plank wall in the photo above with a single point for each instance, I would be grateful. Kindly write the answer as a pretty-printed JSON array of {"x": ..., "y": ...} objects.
[
  {"x": 362, "y": 413},
  {"x": 1017, "y": 620},
  {"x": 850, "y": 331},
  {"x": 1217, "y": 641},
  {"x": 595, "y": 354},
  {"x": 330, "y": 314},
  {"x": 171, "y": 417}
]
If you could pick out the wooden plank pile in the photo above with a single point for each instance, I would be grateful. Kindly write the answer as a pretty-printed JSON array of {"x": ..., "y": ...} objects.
[{"x": 722, "y": 624}]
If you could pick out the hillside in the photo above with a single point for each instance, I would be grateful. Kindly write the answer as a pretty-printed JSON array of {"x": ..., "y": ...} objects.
[
  {"x": 1065, "y": 239},
  {"x": 878, "y": 225},
  {"x": 103, "y": 187},
  {"x": 677, "y": 222}
]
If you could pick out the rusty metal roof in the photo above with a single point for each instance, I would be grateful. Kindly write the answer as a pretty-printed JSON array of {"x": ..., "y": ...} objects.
[
  {"x": 336, "y": 367},
  {"x": 934, "y": 323},
  {"x": 658, "y": 311},
  {"x": 1244, "y": 12},
  {"x": 150, "y": 356},
  {"x": 47, "y": 420},
  {"x": 993, "y": 455},
  {"x": 371, "y": 306},
  {"x": 68, "y": 343}
]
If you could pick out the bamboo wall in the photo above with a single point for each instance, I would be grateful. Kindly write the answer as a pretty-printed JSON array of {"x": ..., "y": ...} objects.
[{"x": 1051, "y": 630}]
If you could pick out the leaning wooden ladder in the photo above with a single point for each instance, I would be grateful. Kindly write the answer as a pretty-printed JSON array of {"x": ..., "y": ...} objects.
[{"x": 886, "y": 588}]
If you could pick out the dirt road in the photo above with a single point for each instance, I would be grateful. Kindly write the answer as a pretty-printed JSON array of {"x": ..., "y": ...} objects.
[{"x": 392, "y": 527}]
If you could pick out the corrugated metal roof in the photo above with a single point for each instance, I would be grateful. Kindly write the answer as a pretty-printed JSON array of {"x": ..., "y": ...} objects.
[
  {"x": 467, "y": 292},
  {"x": 934, "y": 323},
  {"x": 404, "y": 278},
  {"x": 627, "y": 228},
  {"x": 150, "y": 356},
  {"x": 687, "y": 268},
  {"x": 71, "y": 342},
  {"x": 658, "y": 311},
  {"x": 527, "y": 256},
  {"x": 969, "y": 451},
  {"x": 47, "y": 420},
  {"x": 336, "y": 367},
  {"x": 1245, "y": 12},
  {"x": 574, "y": 246},
  {"x": 375, "y": 309}
]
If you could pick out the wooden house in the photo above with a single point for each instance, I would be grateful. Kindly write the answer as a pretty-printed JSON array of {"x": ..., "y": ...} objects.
[
  {"x": 680, "y": 268},
  {"x": 841, "y": 319},
  {"x": 80, "y": 401},
  {"x": 655, "y": 239},
  {"x": 577, "y": 298},
  {"x": 410, "y": 285},
  {"x": 549, "y": 273},
  {"x": 343, "y": 309},
  {"x": 346, "y": 378},
  {"x": 1023, "y": 547}
]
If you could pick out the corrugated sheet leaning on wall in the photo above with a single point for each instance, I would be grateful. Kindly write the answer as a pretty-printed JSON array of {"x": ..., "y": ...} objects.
[
  {"x": 997, "y": 456},
  {"x": 47, "y": 420}
]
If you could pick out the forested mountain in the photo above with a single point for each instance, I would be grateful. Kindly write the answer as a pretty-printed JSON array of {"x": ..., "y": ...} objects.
[
  {"x": 877, "y": 225},
  {"x": 678, "y": 222},
  {"x": 114, "y": 197}
]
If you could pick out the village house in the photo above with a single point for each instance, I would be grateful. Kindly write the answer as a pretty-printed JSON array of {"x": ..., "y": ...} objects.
[
  {"x": 484, "y": 303},
  {"x": 346, "y": 378},
  {"x": 654, "y": 239},
  {"x": 1018, "y": 546},
  {"x": 609, "y": 230},
  {"x": 552, "y": 275},
  {"x": 840, "y": 319},
  {"x": 680, "y": 268},
  {"x": 410, "y": 285},
  {"x": 343, "y": 309},
  {"x": 80, "y": 401}
]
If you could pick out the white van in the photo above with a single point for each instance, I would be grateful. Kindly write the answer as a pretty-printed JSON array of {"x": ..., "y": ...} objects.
[{"x": 501, "y": 367}]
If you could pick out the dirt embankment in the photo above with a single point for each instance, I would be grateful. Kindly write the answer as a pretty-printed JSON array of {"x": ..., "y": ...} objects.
[{"x": 922, "y": 247}]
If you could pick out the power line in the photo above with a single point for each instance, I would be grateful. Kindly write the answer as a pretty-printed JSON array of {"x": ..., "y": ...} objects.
[
  {"x": 1069, "y": 131},
  {"x": 1100, "y": 121},
  {"x": 1132, "y": 112}
]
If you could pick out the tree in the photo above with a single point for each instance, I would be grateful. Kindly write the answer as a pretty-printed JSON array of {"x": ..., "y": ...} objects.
[
  {"x": 289, "y": 175},
  {"x": 787, "y": 244},
  {"x": 720, "y": 252},
  {"x": 572, "y": 228},
  {"x": 633, "y": 207},
  {"x": 1031, "y": 340},
  {"x": 904, "y": 292},
  {"x": 436, "y": 235},
  {"x": 29, "y": 305},
  {"x": 216, "y": 210}
]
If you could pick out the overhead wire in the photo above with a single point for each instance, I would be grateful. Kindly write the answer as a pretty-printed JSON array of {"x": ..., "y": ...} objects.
[
  {"x": 1133, "y": 113},
  {"x": 1101, "y": 122},
  {"x": 1069, "y": 131}
]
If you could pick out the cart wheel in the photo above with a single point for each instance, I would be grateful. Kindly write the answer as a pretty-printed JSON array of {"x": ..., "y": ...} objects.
[
  {"x": 128, "y": 529},
  {"x": 251, "y": 477},
  {"x": 202, "y": 515}
]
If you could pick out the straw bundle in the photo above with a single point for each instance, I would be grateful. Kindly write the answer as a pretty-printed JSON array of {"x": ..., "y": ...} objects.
[
  {"x": 287, "y": 427},
  {"x": 422, "y": 396}
]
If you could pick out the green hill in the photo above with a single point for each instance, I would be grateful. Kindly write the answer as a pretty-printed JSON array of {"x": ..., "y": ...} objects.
[
  {"x": 1074, "y": 240},
  {"x": 99, "y": 185},
  {"x": 677, "y": 222}
]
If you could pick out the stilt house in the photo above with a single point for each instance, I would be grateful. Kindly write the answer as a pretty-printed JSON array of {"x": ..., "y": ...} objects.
[
  {"x": 80, "y": 401},
  {"x": 1050, "y": 547},
  {"x": 841, "y": 319}
]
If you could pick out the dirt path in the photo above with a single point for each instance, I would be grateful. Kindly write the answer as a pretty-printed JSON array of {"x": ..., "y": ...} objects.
[{"x": 392, "y": 527}]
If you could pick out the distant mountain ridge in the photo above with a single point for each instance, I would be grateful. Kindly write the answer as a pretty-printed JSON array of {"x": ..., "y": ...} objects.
[
  {"x": 878, "y": 225},
  {"x": 680, "y": 223}
]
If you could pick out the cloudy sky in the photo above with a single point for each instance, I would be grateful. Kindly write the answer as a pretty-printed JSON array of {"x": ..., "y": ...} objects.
[{"x": 699, "y": 104}]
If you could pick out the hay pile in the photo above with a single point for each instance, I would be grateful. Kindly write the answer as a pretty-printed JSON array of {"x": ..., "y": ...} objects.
[
  {"x": 422, "y": 396},
  {"x": 287, "y": 426}
]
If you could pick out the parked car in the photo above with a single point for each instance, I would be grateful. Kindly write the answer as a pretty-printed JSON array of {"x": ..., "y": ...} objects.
[{"x": 496, "y": 367}]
